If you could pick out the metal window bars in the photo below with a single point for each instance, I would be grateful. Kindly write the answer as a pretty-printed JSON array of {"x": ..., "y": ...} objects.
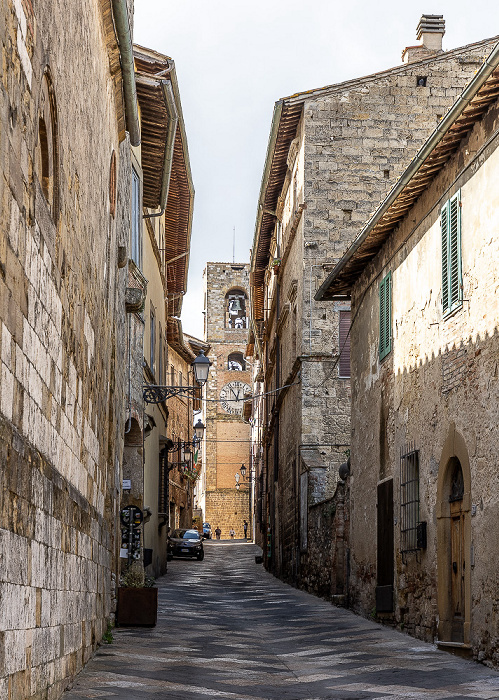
[{"x": 409, "y": 498}]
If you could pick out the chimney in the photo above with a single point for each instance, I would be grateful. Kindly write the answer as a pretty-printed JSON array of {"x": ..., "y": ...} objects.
[{"x": 431, "y": 29}]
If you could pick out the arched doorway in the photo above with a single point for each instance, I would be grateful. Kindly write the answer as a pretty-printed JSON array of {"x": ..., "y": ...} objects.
[{"x": 454, "y": 543}]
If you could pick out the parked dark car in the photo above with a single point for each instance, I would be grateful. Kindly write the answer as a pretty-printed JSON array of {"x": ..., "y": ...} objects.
[
  {"x": 207, "y": 531},
  {"x": 185, "y": 543}
]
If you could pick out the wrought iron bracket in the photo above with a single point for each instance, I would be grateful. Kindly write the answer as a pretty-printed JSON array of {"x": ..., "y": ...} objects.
[{"x": 155, "y": 393}]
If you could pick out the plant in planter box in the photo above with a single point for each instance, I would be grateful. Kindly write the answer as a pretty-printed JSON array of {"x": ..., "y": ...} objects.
[{"x": 137, "y": 598}]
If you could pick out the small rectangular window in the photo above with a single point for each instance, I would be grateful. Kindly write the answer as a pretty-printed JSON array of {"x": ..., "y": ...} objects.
[
  {"x": 450, "y": 226},
  {"x": 136, "y": 223},
  {"x": 409, "y": 499},
  {"x": 172, "y": 375},
  {"x": 385, "y": 316},
  {"x": 344, "y": 344}
]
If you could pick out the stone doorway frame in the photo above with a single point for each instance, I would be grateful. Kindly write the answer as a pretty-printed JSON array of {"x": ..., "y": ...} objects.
[{"x": 454, "y": 447}]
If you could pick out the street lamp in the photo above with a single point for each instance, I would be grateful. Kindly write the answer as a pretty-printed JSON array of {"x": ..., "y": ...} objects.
[
  {"x": 155, "y": 393},
  {"x": 201, "y": 367},
  {"x": 199, "y": 429}
]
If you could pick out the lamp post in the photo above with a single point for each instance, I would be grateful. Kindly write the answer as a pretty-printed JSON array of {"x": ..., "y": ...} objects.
[{"x": 157, "y": 393}]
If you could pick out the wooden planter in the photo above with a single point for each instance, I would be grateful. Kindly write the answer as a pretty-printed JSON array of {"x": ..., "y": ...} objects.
[{"x": 137, "y": 606}]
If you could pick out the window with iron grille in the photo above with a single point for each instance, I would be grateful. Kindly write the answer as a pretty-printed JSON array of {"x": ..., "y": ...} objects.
[{"x": 409, "y": 498}]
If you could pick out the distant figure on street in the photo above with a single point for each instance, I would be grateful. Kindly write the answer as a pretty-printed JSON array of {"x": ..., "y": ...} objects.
[
  {"x": 245, "y": 526},
  {"x": 231, "y": 533},
  {"x": 218, "y": 532}
]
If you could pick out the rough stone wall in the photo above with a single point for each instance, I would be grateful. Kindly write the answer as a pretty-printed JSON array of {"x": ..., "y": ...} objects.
[
  {"x": 324, "y": 565},
  {"x": 61, "y": 392},
  {"x": 352, "y": 143},
  {"x": 227, "y": 436},
  {"x": 413, "y": 396}
]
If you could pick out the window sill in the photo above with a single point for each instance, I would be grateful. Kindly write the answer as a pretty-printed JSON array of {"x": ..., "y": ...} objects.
[{"x": 452, "y": 312}]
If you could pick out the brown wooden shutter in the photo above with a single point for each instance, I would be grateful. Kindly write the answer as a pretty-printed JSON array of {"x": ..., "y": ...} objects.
[{"x": 344, "y": 337}]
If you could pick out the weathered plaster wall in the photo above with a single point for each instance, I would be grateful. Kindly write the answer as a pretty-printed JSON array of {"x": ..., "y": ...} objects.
[
  {"x": 61, "y": 319},
  {"x": 437, "y": 388}
]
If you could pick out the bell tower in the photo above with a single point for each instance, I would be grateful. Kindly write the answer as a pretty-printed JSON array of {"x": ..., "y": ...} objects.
[{"x": 227, "y": 435}]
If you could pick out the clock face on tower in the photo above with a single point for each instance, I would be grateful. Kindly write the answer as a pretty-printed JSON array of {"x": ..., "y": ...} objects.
[{"x": 231, "y": 396}]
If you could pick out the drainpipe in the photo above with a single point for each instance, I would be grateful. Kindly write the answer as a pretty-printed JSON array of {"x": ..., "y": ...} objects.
[
  {"x": 171, "y": 108},
  {"x": 122, "y": 25}
]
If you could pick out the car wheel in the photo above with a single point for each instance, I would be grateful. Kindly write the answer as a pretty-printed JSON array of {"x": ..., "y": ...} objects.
[{"x": 200, "y": 556}]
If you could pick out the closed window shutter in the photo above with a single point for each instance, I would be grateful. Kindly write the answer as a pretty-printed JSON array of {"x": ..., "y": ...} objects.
[
  {"x": 450, "y": 224},
  {"x": 455, "y": 252},
  {"x": 344, "y": 340},
  {"x": 444, "y": 217},
  {"x": 385, "y": 316}
]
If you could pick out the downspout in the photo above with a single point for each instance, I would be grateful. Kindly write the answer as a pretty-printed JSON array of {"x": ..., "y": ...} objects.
[
  {"x": 171, "y": 108},
  {"x": 122, "y": 25},
  {"x": 443, "y": 127}
]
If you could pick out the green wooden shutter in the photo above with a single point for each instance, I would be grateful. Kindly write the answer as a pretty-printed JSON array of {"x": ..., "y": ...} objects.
[
  {"x": 455, "y": 251},
  {"x": 444, "y": 218},
  {"x": 385, "y": 316},
  {"x": 450, "y": 225}
]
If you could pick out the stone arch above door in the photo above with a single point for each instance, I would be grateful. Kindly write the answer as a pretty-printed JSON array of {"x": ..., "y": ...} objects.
[{"x": 453, "y": 511}]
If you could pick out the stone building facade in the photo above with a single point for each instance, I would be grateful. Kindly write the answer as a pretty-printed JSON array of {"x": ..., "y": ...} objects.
[
  {"x": 226, "y": 445},
  {"x": 423, "y": 281},
  {"x": 162, "y": 204},
  {"x": 64, "y": 179},
  {"x": 333, "y": 155}
]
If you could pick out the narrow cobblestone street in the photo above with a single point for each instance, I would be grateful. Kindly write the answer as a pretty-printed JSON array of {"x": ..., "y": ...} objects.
[{"x": 227, "y": 629}]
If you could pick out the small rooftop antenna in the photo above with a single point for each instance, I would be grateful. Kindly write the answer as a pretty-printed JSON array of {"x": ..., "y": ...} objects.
[{"x": 234, "y": 245}]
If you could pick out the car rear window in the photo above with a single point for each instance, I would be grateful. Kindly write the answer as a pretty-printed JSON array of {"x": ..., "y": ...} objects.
[{"x": 186, "y": 534}]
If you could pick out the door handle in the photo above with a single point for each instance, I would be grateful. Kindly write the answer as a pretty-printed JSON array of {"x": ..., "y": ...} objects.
[{"x": 454, "y": 567}]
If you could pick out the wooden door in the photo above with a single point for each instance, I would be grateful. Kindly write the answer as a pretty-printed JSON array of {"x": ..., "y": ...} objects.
[
  {"x": 385, "y": 551},
  {"x": 458, "y": 565}
]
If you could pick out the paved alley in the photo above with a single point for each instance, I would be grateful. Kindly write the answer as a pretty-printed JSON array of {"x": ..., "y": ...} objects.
[{"x": 227, "y": 629}]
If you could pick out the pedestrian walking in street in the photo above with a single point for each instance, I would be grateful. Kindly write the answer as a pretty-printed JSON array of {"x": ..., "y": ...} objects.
[
  {"x": 231, "y": 533},
  {"x": 218, "y": 532},
  {"x": 245, "y": 526}
]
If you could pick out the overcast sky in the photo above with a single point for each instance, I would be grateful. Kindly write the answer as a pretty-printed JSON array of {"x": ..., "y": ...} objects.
[{"x": 234, "y": 59}]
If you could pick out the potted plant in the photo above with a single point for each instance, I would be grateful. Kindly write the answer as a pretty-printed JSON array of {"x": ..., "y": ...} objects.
[
  {"x": 137, "y": 598},
  {"x": 275, "y": 265}
]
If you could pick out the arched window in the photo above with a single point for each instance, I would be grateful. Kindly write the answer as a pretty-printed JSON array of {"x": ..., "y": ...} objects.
[
  {"x": 235, "y": 310},
  {"x": 46, "y": 161},
  {"x": 236, "y": 362}
]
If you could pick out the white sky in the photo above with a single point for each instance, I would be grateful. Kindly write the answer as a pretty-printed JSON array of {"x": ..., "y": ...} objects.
[{"x": 234, "y": 59}]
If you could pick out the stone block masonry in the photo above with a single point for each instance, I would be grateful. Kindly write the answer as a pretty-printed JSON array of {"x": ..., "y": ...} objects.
[
  {"x": 61, "y": 340},
  {"x": 227, "y": 436}
]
